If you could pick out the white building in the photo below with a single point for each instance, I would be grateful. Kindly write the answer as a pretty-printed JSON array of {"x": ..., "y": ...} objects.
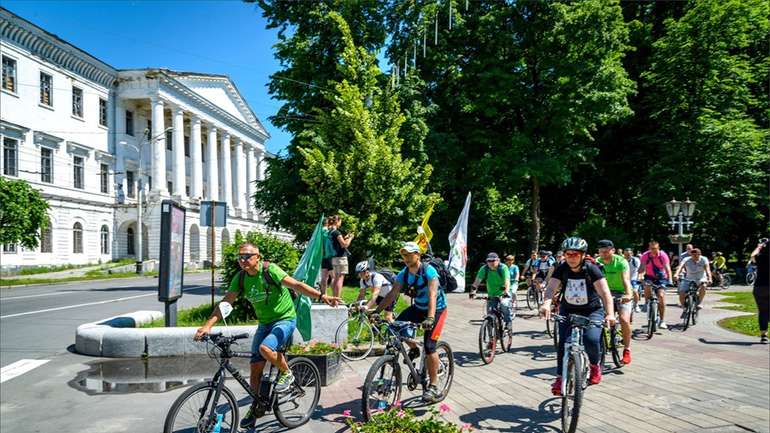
[{"x": 73, "y": 127}]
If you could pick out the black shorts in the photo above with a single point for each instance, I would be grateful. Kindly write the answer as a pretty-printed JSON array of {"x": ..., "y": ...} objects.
[
  {"x": 389, "y": 307},
  {"x": 327, "y": 264},
  {"x": 416, "y": 315}
]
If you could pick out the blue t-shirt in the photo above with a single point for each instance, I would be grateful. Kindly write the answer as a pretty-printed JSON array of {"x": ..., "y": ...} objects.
[
  {"x": 420, "y": 283},
  {"x": 513, "y": 271}
]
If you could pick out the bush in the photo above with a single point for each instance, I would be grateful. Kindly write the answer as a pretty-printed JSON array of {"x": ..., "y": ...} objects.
[
  {"x": 278, "y": 251},
  {"x": 404, "y": 421},
  {"x": 313, "y": 348}
]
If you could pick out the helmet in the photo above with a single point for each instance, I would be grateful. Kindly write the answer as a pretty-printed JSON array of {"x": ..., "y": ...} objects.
[
  {"x": 362, "y": 266},
  {"x": 575, "y": 244}
]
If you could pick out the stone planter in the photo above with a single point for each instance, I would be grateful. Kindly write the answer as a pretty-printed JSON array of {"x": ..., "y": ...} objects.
[{"x": 328, "y": 365}]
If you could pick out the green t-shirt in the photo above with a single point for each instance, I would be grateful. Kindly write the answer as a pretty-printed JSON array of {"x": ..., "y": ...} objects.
[
  {"x": 495, "y": 281},
  {"x": 277, "y": 306},
  {"x": 613, "y": 271}
]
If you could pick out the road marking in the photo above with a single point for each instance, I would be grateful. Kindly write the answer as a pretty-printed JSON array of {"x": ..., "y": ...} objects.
[
  {"x": 37, "y": 296},
  {"x": 20, "y": 367}
]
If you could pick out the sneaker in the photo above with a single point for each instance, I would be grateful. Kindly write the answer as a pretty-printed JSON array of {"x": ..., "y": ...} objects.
[
  {"x": 284, "y": 382},
  {"x": 556, "y": 387},
  {"x": 596, "y": 374},
  {"x": 626, "y": 356},
  {"x": 763, "y": 339},
  {"x": 699, "y": 307},
  {"x": 637, "y": 309},
  {"x": 431, "y": 394},
  {"x": 256, "y": 410},
  {"x": 662, "y": 325}
]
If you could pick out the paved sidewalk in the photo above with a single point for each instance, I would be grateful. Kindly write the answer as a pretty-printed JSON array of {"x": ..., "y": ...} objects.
[{"x": 705, "y": 379}]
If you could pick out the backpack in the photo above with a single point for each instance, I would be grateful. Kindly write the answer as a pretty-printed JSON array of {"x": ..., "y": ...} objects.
[
  {"x": 387, "y": 273},
  {"x": 446, "y": 281},
  {"x": 328, "y": 245},
  {"x": 486, "y": 272},
  {"x": 589, "y": 280}
]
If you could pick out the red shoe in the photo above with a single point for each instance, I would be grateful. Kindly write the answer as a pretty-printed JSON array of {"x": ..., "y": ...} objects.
[
  {"x": 596, "y": 374},
  {"x": 626, "y": 356},
  {"x": 556, "y": 387}
]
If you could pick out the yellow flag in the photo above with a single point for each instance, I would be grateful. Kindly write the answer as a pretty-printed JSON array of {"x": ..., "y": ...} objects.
[{"x": 424, "y": 233}]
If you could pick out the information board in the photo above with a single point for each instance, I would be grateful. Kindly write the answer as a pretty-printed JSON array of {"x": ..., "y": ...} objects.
[{"x": 172, "y": 234}]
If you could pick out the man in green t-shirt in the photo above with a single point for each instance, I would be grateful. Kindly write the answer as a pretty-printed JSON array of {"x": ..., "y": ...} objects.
[
  {"x": 498, "y": 282},
  {"x": 618, "y": 275},
  {"x": 274, "y": 308}
]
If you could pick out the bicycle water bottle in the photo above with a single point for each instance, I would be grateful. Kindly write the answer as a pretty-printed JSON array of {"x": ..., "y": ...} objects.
[{"x": 218, "y": 425}]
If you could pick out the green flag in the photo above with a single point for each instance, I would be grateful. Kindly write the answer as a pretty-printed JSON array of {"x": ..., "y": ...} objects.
[{"x": 307, "y": 272}]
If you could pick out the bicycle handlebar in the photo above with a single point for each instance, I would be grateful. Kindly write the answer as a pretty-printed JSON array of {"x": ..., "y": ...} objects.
[{"x": 578, "y": 320}]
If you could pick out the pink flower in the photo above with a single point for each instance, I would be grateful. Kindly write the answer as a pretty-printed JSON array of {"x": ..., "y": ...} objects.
[
  {"x": 401, "y": 414},
  {"x": 444, "y": 408},
  {"x": 466, "y": 427},
  {"x": 397, "y": 403},
  {"x": 346, "y": 413}
]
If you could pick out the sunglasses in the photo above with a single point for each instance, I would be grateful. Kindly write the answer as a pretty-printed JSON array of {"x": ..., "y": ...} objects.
[
  {"x": 572, "y": 254},
  {"x": 244, "y": 257}
]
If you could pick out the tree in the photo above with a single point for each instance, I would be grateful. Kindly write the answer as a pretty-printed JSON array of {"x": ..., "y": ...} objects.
[{"x": 23, "y": 213}]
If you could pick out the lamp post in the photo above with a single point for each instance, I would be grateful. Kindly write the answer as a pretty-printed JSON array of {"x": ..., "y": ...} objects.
[
  {"x": 140, "y": 187},
  {"x": 680, "y": 213}
]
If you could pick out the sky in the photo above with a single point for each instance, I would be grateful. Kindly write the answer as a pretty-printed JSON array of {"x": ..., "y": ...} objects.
[{"x": 218, "y": 37}]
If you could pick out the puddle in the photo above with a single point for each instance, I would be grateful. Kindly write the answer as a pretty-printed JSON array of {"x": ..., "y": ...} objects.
[{"x": 153, "y": 375}]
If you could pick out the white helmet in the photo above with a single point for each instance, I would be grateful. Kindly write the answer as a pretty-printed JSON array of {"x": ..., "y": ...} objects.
[{"x": 362, "y": 266}]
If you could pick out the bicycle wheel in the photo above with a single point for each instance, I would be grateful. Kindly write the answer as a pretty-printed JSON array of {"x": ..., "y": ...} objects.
[
  {"x": 573, "y": 395},
  {"x": 687, "y": 313},
  {"x": 382, "y": 387},
  {"x": 548, "y": 328},
  {"x": 190, "y": 412},
  {"x": 556, "y": 336},
  {"x": 531, "y": 297},
  {"x": 603, "y": 344},
  {"x": 652, "y": 312},
  {"x": 295, "y": 407},
  {"x": 614, "y": 349},
  {"x": 750, "y": 277},
  {"x": 506, "y": 337},
  {"x": 446, "y": 368},
  {"x": 694, "y": 310},
  {"x": 726, "y": 281},
  {"x": 487, "y": 339},
  {"x": 355, "y": 337}
]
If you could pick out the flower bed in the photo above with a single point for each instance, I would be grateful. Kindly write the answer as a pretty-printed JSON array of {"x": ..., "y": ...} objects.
[{"x": 403, "y": 420}]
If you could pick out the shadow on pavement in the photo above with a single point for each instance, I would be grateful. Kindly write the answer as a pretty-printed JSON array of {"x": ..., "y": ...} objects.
[
  {"x": 518, "y": 418},
  {"x": 541, "y": 373},
  {"x": 731, "y": 343},
  {"x": 542, "y": 352},
  {"x": 467, "y": 359},
  {"x": 535, "y": 335}
]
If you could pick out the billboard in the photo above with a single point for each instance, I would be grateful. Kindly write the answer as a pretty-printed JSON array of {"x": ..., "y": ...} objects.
[{"x": 172, "y": 234}]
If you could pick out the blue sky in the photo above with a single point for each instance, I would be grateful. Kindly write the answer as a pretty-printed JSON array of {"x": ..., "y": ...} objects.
[{"x": 220, "y": 37}]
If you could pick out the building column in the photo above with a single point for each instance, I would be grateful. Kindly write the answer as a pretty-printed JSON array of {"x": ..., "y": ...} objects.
[
  {"x": 212, "y": 168},
  {"x": 240, "y": 176},
  {"x": 158, "y": 146},
  {"x": 196, "y": 165},
  {"x": 227, "y": 179},
  {"x": 178, "y": 171},
  {"x": 251, "y": 169}
]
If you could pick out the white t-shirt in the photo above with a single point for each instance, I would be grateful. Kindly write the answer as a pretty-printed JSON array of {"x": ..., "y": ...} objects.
[
  {"x": 377, "y": 280},
  {"x": 695, "y": 271}
]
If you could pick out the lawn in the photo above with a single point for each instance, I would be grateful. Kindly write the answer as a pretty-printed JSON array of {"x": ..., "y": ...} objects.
[
  {"x": 89, "y": 276},
  {"x": 746, "y": 324}
]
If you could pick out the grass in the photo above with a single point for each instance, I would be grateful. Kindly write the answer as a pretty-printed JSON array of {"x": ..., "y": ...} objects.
[
  {"x": 746, "y": 324},
  {"x": 46, "y": 269},
  {"x": 90, "y": 275}
]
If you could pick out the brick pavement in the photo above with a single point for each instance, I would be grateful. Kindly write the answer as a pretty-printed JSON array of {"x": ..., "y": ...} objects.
[{"x": 704, "y": 379}]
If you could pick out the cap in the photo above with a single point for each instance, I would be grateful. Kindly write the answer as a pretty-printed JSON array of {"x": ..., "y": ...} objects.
[
  {"x": 492, "y": 256},
  {"x": 410, "y": 247},
  {"x": 605, "y": 243}
]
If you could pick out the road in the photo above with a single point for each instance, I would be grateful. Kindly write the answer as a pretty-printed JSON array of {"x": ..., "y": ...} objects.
[{"x": 705, "y": 379}]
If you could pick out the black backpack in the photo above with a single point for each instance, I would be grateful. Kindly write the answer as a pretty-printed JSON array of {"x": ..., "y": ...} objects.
[
  {"x": 445, "y": 279},
  {"x": 387, "y": 273}
]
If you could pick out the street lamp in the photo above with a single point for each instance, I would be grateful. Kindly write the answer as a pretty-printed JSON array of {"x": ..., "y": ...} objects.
[
  {"x": 140, "y": 187},
  {"x": 680, "y": 213}
]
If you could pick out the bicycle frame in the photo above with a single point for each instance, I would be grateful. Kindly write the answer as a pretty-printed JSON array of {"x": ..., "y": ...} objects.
[{"x": 396, "y": 346}]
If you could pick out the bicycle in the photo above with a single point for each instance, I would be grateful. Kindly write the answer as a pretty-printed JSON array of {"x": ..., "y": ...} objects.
[
  {"x": 534, "y": 296},
  {"x": 356, "y": 336},
  {"x": 200, "y": 408},
  {"x": 575, "y": 370},
  {"x": 552, "y": 329},
  {"x": 751, "y": 275},
  {"x": 691, "y": 301},
  {"x": 383, "y": 384},
  {"x": 721, "y": 279},
  {"x": 652, "y": 308},
  {"x": 612, "y": 339},
  {"x": 492, "y": 330}
]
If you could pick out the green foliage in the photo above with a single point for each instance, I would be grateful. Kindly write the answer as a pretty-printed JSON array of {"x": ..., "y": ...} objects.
[
  {"x": 404, "y": 421},
  {"x": 197, "y": 316},
  {"x": 596, "y": 228},
  {"x": 313, "y": 348},
  {"x": 23, "y": 213}
]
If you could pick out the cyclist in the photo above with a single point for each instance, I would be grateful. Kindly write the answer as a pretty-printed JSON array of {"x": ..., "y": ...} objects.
[
  {"x": 618, "y": 275},
  {"x": 514, "y": 272},
  {"x": 633, "y": 269},
  {"x": 543, "y": 267},
  {"x": 379, "y": 285},
  {"x": 528, "y": 271},
  {"x": 656, "y": 268},
  {"x": 559, "y": 257},
  {"x": 720, "y": 266},
  {"x": 697, "y": 269},
  {"x": 585, "y": 292},
  {"x": 421, "y": 282},
  {"x": 498, "y": 283},
  {"x": 265, "y": 286}
]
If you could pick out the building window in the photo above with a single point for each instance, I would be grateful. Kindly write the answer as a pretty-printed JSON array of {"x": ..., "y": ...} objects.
[
  {"x": 130, "y": 241},
  {"x": 102, "y": 112},
  {"x": 130, "y": 123},
  {"x": 9, "y": 248},
  {"x": 46, "y": 165},
  {"x": 9, "y": 74},
  {"x": 130, "y": 183},
  {"x": 104, "y": 236},
  {"x": 77, "y": 238},
  {"x": 46, "y": 238},
  {"x": 187, "y": 146},
  {"x": 77, "y": 171},
  {"x": 203, "y": 152},
  {"x": 104, "y": 176},
  {"x": 10, "y": 157},
  {"x": 169, "y": 141},
  {"x": 77, "y": 102},
  {"x": 170, "y": 186},
  {"x": 46, "y": 89}
]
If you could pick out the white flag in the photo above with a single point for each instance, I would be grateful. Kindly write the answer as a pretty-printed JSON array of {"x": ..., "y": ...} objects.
[{"x": 458, "y": 247}]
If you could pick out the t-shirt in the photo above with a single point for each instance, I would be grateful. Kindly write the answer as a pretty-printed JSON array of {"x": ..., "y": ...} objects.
[
  {"x": 633, "y": 266},
  {"x": 661, "y": 260},
  {"x": 339, "y": 251},
  {"x": 579, "y": 294},
  {"x": 495, "y": 279},
  {"x": 514, "y": 273},
  {"x": 696, "y": 271},
  {"x": 377, "y": 280},
  {"x": 613, "y": 271},
  {"x": 719, "y": 262},
  {"x": 420, "y": 282},
  {"x": 544, "y": 265},
  {"x": 278, "y": 305}
]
